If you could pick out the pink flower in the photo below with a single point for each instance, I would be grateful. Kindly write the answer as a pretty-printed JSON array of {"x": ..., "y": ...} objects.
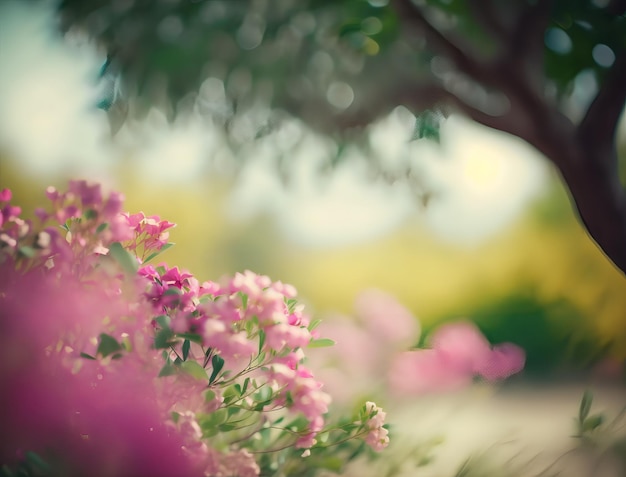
[
  {"x": 99, "y": 420},
  {"x": 377, "y": 437},
  {"x": 5, "y": 195},
  {"x": 240, "y": 463},
  {"x": 459, "y": 352},
  {"x": 175, "y": 277},
  {"x": 422, "y": 371},
  {"x": 89, "y": 194},
  {"x": 461, "y": 345},
  {"x": 228, "y": 343},
  {"x": 387, "y": 319},
  {"x": 284, "y": 335},
  {"x": 249, "y": 283},
  {"x": 503, "y": 361}
]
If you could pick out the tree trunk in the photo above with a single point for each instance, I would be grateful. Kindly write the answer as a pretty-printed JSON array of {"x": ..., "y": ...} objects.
[{"x": 599, "y": 198}]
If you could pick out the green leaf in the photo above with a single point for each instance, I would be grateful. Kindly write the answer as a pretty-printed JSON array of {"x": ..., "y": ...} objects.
[
  {"x": 173, "y": 291},
  {"x": 314, "y": 324},
  {"x": 427, "y": 125},
  {"x": 291, "y": 304},
  {"x": 227, "y": 427},
  {"x": 90, "y": 214},
  {"x": 27, "y": 251},
  {"x": 231, "y": 394},
  {"x": 593, "y": 422},
  {"x": 125, "y": 259},
  {"x": 585, "y": 405},
  {"x": 244, "y": 300},
  {"x": 108, "y": 345},
  {"x": 212, "y": 421},
  {"x": 186, "y": 345},
  {"x": 87, "y": 356},
  {"x": 158, "y": 252},
  {"x": 168, "y": 369},
  {"x": 233, "y": 410},
  {"x": 261, "y": 340},
  {"x": 163, "y": 321},
  {"x": 321, "y": 343},
  {"x": 218, "y": 363},
  {"x": 260, "y": 405},
  {"x": 193, "y": 337},
  {"x": 194, "y": 369},
  {"x": 101, "y": 227},
  {"x": 246, "y": 382},
  {"x": 163, "y": 339}
]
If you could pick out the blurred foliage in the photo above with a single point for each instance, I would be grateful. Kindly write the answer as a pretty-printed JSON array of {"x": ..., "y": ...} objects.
[
  {"x": 320, "y": 58},
  {"x": 587, "y": 25},
  {"x": 269, "y": 51}
]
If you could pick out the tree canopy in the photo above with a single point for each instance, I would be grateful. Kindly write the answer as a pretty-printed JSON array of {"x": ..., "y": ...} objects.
[{"x": 551, "y": 72}]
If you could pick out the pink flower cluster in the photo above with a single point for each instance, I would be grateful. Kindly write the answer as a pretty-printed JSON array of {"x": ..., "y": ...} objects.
[
  {"x": 382, "y": 326},
  {"x": 208, "y": 461},
  {"x": 254, "y": 325},
  {"x": 304, "y": 391},
  {"x": 83, "y": 210},
  {"x": 458, "y": 353},
  {"x": 149, "y": 234},
  {"x": 88, "y": 334},
  {"x": 377, "y": 437},
  {"x": 99, "y": 417}
]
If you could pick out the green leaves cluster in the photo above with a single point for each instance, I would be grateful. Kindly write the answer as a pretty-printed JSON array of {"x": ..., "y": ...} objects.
[{"x": 586, "y": 423}]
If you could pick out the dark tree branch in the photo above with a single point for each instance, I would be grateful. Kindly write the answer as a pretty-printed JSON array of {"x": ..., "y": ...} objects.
[
  {"x": 528, "y": 30},
  {"x": 597, "y": 128},
  {"x": 413, "y": 15},
  {"x": 526, "y": 44},
  {"x": 486, "y": 15}
]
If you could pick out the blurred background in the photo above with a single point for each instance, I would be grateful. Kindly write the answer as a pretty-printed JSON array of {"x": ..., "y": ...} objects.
[
  {"x": 455, "y": 221},
  {"x": 270, "y": 133},
  {"x": 452, "y": 218}
]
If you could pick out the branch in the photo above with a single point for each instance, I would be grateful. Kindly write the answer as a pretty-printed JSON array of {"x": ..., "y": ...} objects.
[
  {"x": 597, "y": 128},
  {"x": 413, "y": 15},
  {"x": 486, "y": 15},
  {"x": 526, "y": 42}
]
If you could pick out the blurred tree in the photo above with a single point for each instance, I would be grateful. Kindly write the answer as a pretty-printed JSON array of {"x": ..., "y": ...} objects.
[{"x": 552, "y": 72}]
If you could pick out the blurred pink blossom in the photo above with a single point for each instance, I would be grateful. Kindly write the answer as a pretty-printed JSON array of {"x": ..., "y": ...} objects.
[
  {"x": 459, "y": 352},
  {"x": 386, "y": 318}
]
